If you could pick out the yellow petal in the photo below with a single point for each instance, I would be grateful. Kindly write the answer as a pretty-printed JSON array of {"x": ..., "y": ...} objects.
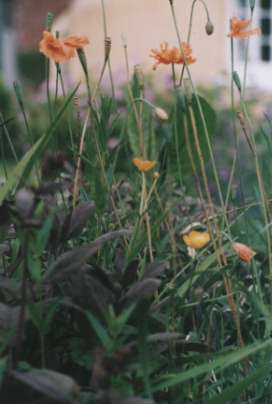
[{"x": 196, "y": 239}]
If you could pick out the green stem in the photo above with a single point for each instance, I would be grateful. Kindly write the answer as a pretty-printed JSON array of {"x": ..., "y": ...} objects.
[
  {"x": 204, "y": 123},
  {"x": 47, "y": 74},
  {"x": 105, "y": 37}
]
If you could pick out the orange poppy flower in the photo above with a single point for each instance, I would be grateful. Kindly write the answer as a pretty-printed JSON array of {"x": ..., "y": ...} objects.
[
  {"x": 76, "y": 42},
  {"x": 143, "y": 165},
  {"x": 243, "y": 251},
  {"x": 61, "y": 50},
  {"x": 167, "y": 55},
  {"x": 238, "y": 28},
  {"x": 53, "y": 48},
  {"x": 196, "y": 239}
]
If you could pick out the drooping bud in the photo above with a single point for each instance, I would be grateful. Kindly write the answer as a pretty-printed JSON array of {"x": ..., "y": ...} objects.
[
  {"x": 209, "y": 27},
  {"x": 161, "y": 114},
  {"x": 49, "y": 21}
]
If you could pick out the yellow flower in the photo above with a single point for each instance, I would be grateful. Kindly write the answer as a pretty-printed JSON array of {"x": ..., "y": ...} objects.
[
  {"x": 143, "y": 165},
  {"x": 196, "y": 239}
]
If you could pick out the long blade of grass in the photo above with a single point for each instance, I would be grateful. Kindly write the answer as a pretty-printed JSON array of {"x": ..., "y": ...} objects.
[
  {"x": 236, "y": 390},
  {"x": 220, "y": 363},
  {"x": 27, "y": 162}
]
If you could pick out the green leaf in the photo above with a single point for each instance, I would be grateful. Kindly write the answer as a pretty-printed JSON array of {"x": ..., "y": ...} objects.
[
  {"x": 237, "y": 81},
  {"x": 26, "y": 163},
  {"x": 100, "y": 331},
  {"x": 179, "y": 144},
  {"x": 265, "y": 311},
  {"x": 200, "y": 269},
  {"x": 3, "y": 366},
  {"x": 234, "y": 391},
  {"x": 216, "y": 365}
]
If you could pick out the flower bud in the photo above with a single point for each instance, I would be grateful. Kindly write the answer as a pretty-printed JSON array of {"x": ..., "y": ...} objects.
[
  {"x": 161, "y": 114},
  {"x": 209, "y": 27},
  {"x": 156, "y": 175},
  {"x": 49, "y": 21}
]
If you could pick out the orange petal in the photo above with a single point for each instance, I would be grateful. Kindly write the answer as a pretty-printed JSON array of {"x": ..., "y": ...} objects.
[
  {"x": 77, "y": 42},
  {"x": 244, "y": 252},
  {"x": 53, "y": 48},
  {"x": 143, "y": 165}
]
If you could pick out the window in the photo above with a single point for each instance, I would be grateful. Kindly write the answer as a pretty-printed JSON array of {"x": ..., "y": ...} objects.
[{"x": 263, "y": 19}]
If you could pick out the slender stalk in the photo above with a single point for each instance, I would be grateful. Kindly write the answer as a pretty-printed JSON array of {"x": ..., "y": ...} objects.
[
  {"x": 105, "y": 38},
  {"x": 43, "y": 357},
  {"x": 68, "y": 117},
  {"x": 168, "y": 225},
  {"x": 21, "y": 319},
  {"x": 221, "y": 256},
  {"x": 191, "y": 17},
  {"x": 47, "y": 75},
  {"x": 3, "y": 157},
  {"x": 135, "y": 111},
  {"x": 236, "y": 160},
  {"x": 200, "y": 192},
  {"x": 264, "y": 199},
  {"x": 246, "y": 60},
  {"x": 5, "y": 130},
  {"x": 204, "y": 123},
  {"x": 222, "y": 260},
  {"x": 78, "y": 165},
  {"x": 190, "y": 30}
]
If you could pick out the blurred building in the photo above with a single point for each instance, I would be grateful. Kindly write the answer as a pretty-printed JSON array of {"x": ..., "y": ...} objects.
[
  {"x": 21, "y": 26},
  {"x": 7, "y": 42},
  {"x": 143, "y": 25},
  {"x": 146, "y": 23}
]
